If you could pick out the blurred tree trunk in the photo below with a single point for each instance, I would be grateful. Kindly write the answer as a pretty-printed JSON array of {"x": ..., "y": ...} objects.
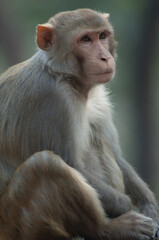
[
  {"x": 9, "y": 36},
  {"x": 143, "y": 87}
]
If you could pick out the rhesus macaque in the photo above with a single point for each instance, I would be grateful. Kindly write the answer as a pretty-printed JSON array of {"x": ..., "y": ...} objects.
[{"x": 57, "y": 101}]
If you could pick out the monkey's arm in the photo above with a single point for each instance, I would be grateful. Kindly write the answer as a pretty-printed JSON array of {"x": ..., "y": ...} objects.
[
  {"x": 135, "y": 187},
  {"x": 114, "y": 202},
  {"x": 139, "y": 192}
]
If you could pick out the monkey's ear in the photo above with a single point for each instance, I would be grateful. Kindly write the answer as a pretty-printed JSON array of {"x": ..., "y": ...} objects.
[
  {"x": 45, "y": 34},
  {"x": 106, "y": 15}
]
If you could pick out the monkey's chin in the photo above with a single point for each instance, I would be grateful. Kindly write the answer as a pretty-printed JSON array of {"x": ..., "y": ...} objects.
[{"x": 104, "y": 78}]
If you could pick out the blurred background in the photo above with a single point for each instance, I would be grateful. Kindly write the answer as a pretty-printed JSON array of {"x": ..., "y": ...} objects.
[{"x": 135, "y": 88}]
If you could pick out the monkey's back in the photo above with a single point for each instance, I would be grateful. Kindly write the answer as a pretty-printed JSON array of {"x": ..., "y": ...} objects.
[{"x": 29, "y": 102}]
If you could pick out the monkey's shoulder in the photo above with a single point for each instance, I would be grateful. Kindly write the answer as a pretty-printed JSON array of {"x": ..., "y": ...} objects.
[
  {"x": 28, "y": 78},
  {"x": 13, "y": 72}
]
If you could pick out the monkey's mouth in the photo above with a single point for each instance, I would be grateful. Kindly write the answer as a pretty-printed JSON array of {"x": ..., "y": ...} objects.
[
  {"x": 106, "y": 72},
  {"x": 109, "y": 71}
]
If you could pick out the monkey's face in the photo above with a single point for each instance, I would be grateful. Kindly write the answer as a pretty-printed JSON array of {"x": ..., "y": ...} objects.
[
  {"x": 92, "y": 49},
  {"x": 81, "y": 44}
]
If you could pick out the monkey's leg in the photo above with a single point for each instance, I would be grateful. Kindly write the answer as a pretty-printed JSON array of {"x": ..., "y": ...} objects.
[{"x": 47, "y": 199}]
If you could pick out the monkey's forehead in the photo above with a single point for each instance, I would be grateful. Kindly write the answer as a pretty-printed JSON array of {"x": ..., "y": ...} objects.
[{"x": 81, "y": 19}]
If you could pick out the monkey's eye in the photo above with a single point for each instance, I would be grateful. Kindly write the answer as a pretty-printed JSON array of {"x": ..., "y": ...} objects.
[
  {"x": 103, "y": 35},
  {"x": 85, "y": 38}
]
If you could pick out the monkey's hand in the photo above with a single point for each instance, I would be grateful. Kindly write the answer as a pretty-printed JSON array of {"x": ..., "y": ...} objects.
[
  {"x": 150, "y": 210},
  {"x": 131, "y": 225}
]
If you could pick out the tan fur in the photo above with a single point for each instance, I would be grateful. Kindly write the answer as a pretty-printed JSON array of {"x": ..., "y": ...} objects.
[{"x": 63, "y": 191}]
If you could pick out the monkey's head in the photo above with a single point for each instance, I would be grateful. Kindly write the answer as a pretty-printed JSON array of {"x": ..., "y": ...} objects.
[{"x": 79, "y": 43}]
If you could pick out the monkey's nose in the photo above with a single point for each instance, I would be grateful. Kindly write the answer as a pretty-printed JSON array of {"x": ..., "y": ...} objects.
[{"x": 105, "y": 58}]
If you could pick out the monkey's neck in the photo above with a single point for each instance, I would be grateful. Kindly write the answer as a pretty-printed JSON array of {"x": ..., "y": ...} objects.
[
  {"x": 80, "y": 87},
  {"x": 79, "y": 84}
]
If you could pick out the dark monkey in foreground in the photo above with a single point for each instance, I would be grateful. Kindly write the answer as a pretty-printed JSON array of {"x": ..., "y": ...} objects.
[{"x": 56, "y": 101}]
